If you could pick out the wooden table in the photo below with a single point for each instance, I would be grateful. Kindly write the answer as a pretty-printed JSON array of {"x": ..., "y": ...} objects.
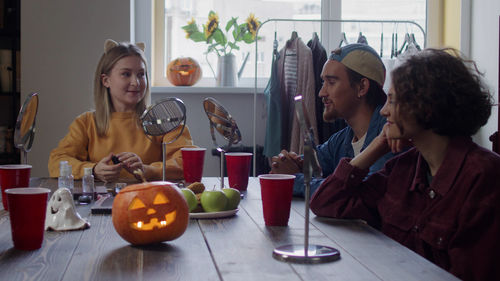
[{"x": 236, "y": 248}]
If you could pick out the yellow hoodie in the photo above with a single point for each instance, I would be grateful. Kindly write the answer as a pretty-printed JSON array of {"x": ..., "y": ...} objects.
[{"x": 82, "y": 147}]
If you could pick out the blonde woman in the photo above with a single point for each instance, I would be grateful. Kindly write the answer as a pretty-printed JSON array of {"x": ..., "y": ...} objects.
[{"x": 121, "y": 94}]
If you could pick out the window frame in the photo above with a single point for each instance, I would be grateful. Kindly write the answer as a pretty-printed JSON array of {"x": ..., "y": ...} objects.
[
  {"x": 147, "y": 31},
  {"x": 330, "y": 9}
]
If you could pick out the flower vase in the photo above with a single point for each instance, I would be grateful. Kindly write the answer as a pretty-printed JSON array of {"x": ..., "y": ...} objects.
[{"x": 227, "y": 75}]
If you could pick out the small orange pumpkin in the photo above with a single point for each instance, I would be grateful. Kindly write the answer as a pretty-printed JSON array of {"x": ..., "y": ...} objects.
[
  {"x": 183, "y": 72},
  {"x": 150, "y": 212}
]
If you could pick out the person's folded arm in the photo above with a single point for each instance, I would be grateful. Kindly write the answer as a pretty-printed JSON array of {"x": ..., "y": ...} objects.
[{"x": 349, "y": 194}]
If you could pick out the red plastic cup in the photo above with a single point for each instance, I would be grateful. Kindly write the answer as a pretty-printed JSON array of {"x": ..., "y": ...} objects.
[
  {"x": 276, "y": 191},
  {"x": 27, "y": 216},
  {"x": 192, "y": 163},
  {"x": 12, "y": 176},
  {"x": 238, "y": 169}
]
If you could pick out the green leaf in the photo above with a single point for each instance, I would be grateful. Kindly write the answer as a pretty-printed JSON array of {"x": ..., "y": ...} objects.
[
  {"x": 210, "y": 39},
  {"x": 231, "y": 23},
  {"x": 237, "y": 35},
  {"x": 232, "y": 45},
  {"x": 198, "y": 36},
  {"x": 190, "y": 28},
  {"x": 247, "y": 37},
  {"x": 219, "y": 37}
]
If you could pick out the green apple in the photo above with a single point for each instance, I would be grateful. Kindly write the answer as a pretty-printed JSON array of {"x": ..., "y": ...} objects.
[
  {"x": 233, "y": 198},
  {"x": 213, "y": 200},
  {"x": 190, "y": 198}
]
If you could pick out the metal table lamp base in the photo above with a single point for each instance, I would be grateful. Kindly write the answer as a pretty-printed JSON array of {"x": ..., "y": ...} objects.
[{"x": 315, "y": 254}]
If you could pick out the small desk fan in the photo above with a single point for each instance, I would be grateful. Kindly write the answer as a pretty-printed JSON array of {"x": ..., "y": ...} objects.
[{"x": 162, "y": 118}]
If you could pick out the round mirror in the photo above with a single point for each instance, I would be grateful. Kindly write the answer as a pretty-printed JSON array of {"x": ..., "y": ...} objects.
[
  {"x": 25, "y": 125},
  {"x": 163, "y": 117},
  {"x": 222, "y": 122}
]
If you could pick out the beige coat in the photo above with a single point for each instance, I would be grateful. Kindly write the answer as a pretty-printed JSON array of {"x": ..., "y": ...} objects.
[{"x": 296, "y": 74}]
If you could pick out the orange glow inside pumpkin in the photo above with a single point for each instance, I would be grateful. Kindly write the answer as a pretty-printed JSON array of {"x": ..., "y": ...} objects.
[
  {"x": 160, "y": 199},
  {"x": 183, "y": 72},
  {"x": 184, "y": 69}
]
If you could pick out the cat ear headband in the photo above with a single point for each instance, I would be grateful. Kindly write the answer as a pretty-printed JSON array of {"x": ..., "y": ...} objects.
[{"x": 110, "y": 44}]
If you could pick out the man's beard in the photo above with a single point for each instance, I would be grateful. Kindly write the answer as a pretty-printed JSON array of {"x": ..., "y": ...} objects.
[{"x": 330, "y": 116}]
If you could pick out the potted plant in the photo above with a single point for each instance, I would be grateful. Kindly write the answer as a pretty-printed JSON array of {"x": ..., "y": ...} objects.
[{"x": 223, "y": 41}]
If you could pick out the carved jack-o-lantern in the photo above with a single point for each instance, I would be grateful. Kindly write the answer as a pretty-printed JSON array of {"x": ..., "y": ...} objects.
[
  {"x": 183, "y": 72},
  {"x": 150, "y": 212}
]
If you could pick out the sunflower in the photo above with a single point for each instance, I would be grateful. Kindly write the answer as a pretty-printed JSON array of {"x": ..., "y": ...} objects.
[
  {"x": 217, "y": 38},
  {"x": 192, "y": 22},
  {"x": 212, "y": 24},
  {"x": 252, "y": 25}
]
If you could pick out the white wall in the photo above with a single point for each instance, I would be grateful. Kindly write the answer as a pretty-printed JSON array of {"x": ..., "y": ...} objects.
[
  {"x": 484, "y": 50},
  {"x": 61, "y": 42}
]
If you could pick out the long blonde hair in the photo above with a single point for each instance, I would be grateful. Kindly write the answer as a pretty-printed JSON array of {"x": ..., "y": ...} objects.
[{"x": 102, "y": 99}]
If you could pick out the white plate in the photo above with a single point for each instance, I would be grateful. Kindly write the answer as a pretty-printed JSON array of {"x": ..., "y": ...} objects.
[{"x": 213, "y": 215}]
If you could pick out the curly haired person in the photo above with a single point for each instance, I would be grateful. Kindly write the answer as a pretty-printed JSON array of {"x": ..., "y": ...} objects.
[{"x": 440, "y": 198}]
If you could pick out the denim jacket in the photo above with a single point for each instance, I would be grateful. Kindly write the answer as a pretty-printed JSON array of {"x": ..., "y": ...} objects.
[{"x": 339, "y": 146}]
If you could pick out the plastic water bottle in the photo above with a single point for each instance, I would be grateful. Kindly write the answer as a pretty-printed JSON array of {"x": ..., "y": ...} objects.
[
  {"x": 70, "y": 179},
  {"x": 62, "y": 180},
  {"x": 87, "y": 187},
  {"x": 66, "y": 178}
]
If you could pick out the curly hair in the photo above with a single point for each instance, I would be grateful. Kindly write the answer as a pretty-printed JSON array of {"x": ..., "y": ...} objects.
[{"x": 443, "y": 92}]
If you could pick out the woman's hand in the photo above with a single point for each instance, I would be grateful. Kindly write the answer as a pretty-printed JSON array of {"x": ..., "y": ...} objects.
[
  {"x": 395, "y": 145},
  {"x": 380, "y": 145},
  {"x": 106, "y": 171},
  {"x": 131, "y": 162}
]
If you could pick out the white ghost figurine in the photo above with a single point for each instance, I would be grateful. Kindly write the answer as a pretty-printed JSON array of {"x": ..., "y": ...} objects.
[{"x": 61, "y": 212}]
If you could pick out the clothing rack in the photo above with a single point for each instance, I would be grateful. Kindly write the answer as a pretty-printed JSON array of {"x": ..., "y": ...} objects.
[{"x": 276, "y": 20}]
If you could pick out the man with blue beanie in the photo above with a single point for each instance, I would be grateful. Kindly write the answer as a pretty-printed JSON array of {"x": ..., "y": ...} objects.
[{"x": 353, "y": 77}]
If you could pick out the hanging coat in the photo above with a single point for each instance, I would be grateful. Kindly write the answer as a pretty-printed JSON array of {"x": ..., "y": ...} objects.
[
  {"x": 295, "y": 70},
  {"x": 272, "y": 143},
  {"x": 325, "y": 129}
]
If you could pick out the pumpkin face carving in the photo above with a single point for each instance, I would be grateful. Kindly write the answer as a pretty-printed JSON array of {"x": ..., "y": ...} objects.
[
  {"x": 183, "y": 72},
  {"x": 150, "y": 212}
]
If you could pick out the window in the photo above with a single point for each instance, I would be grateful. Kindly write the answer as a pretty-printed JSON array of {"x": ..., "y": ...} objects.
[{"x": 169, "y": 40}]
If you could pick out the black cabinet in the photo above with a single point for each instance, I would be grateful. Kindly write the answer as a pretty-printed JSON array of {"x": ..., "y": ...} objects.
[{"x": 9, "y": 78}]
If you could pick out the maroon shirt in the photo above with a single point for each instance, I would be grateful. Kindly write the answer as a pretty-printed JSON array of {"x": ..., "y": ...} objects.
[{"x": 453, "y": 222}]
